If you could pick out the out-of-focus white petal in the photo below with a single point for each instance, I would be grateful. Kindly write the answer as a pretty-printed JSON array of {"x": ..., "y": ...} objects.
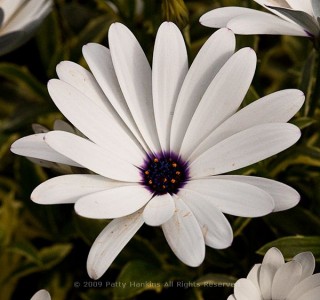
[
  {"x": 113, "y": 203},
  {"x": 98, "y": 125},
  {"x": 244, "y": 289},
  {"x": 215, "y": 227},
  {"x": 231, "y": 197},
  {"x": 159, "y": 210},
  {"x": 307, "y": 261},
  {"x": 69, "y": 188},
  {"x": 253, "y": 275},
  {"x": 221, "y": 99},
  {"x": 272, "y": 261},
  {"x": 285, "y": 279},
  {"x": 305, "y": 6},
  {"x": 211, "y": 57},
  {"x": 34, "y": 146},
  {"x": 110, "y": 242},
  {"x": 245, "y": 148},
  {"x": 41, "y": 295},
  {"x": 284, "y": 196},
  {"x": 92, "y": 156},
  {"x": 304, "y": 287},
  {"x": 134, "y": 76},
  {"x": 278, "y": 107},
  {"x": 184, "y": 235},
  {"x": 63, "y": 126},
  {"x": 311, "y": 295},
  {"x": 169, "y": 68}
]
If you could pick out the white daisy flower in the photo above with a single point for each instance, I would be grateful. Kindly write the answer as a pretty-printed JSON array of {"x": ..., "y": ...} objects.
[
  {"x": 158, "y": 141},
  {"x": 291, "y": 17},
  {"x": 274, "y": 279},
  {"x": 18, "y": 21},
  {"x": 41, "y": 295}
]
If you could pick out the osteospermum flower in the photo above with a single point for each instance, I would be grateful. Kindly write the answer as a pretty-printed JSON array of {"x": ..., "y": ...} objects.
[
  {"x": 41, "y": 295},
  {"x": 290, "y": 17},
  {"x": 274, "y": 279},
  {"x": 18, "y": 21},
  {"x": 158, "y": 141}
]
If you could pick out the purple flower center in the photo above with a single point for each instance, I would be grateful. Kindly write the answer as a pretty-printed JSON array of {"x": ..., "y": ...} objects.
[{"x": 164, "y": 173}]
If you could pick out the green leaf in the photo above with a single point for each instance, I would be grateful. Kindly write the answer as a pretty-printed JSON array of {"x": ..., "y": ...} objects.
[
  {"x": 216, "y": 280},
  {"x": 304, "y": 122},
  {"x": 293, "y": 245},
  {"x": 239, "y": 225},
  {"x": 137, "y": 277},
  {"x": 26, "y": 249}
]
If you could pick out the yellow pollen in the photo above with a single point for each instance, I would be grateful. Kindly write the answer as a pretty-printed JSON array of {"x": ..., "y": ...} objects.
[
  {"x": 165, "y": 180},
  {"x": 163, "y": 186},
  {"x": 172, "y": 180},
  {"x": 150, "y": 181},
  {"x": 147, "y": 172},
  {"x": 155, "y": 160},
  {"x": 178, "y": 173},
  {"x": 174, "y": 165}
]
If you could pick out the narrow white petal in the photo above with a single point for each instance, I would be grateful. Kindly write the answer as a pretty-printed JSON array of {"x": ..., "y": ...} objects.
[
  {"x": 211, "y": 57},
  {"x": 63, "y": 126},
  {"x": 69, "y": 188},
  {"x": 100, "y": 63},
  {"x": 221, "y": 99},
  {"x": 231, "y": 197},
  {"x": 254, "y": 274},
  {"x": 278, "y": 107},
  {"x": 231, "y": 297},
  {"x": 184, "y": 235},
  {"x": 284, "y": 196},
  {"x": 97, "y": 124},
  {"x": 307, "y": 261},
  {"x": 113, "y": 203},
  {"x": 303, "y": 287},
  {"x": 285, "y": 279},
  {"x": 10, "y": 7},
  {"x": 245, "y": 148},
  {"x": 134, "y": 75},
  {"x": 41, "y": 295},
  {"x": 272, "y": 261},
  {"x": 264, "y": 23},
  {"x": 169, "y": 68},
  {"x": 34, "y": 146},
  {"x": 244, "y": 289},
  {"x": 219, "y": 17},
  {"x": 301, "y": 5},
  {"x": 92, "y": 156},
  {"x": 215, "y": 227},
  {"x": 110, "y": 242},
  {"x": 159, "y": 210},
  {"x": 311, "y": 295}
]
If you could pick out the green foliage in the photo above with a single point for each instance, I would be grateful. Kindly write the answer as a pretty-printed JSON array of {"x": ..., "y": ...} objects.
[{"x": 47, "y": 246}]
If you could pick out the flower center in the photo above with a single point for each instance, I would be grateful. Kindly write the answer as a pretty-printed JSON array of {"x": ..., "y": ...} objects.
[{"x": 164, "y": 173}]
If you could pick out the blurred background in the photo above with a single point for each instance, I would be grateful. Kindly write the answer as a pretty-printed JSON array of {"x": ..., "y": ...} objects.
[{"x": 47, "y": 246}]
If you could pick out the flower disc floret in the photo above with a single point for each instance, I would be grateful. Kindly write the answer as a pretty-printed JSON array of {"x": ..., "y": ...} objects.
[{"x": 164, "y": 173}]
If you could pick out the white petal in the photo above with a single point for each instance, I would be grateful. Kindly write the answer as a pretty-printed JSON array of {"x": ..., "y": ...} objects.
[
  {"x": 63, "y": 126},
  {"x": 134, "y": 75},
  {"x": 254, "y": 274},
  {"x": 159, "y": 210},
  {"x": 264, "y": 24},
  {"x": 69, "y": 188},
  {"x": 34, "y": 146},
  {"x": 303, "y": 287},
  {"x": 97, "y": 124},
  {"x": 219, "y": 17},
  {"x": 307, "y": 261},
  {"x": 221, "y": 99},
  {"x": 284, "y": 196},
  {"x": 113, "y": 203},
  {"x": 184, "y": 235},
  {"x": 110, "y": 242},
  {"x": 231, "y": 197},
  {"x": 100, "y": 63},
  {"x": 311, "y": 295},
  {"x": 245, "y": 148},
  {"x": 244, "y": 289},
  {"x": 278, "y": 107},
  {"x": 41, "y": 295},
  {"x": 169, "y": 68},
  {"x": 301, "y": 5},
  {"x": 272, "y": 261},
  {"x": 285, "y": 279},
  {"x": 231, "y": 297},
  {"x": 211, "y": 57},
  {"x": 92, "y": 156},
  {"x": 215, "y": 227}
]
